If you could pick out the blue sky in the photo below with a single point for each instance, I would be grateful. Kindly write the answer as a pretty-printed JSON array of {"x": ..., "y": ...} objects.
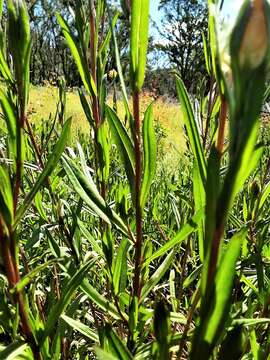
[{"x": 231, "y": 8}]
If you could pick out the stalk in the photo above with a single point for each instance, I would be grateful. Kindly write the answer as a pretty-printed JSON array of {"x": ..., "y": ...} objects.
[
  {"x": 13, "y": 277},
  {"x": 138, "y": 174},
  {"x": 95, "y": 99}
]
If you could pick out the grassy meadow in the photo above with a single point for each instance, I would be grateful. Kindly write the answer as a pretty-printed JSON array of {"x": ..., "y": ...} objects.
[
  {"x": 167, "y": 115},
  {"x": 123, "y": 236}
]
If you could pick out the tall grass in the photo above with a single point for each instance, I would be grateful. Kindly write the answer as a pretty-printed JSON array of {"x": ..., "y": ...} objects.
[{"x": 101, "y": 255}]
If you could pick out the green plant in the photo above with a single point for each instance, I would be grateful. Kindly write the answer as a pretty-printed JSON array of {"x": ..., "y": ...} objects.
[{"x": 106, "y": 255}]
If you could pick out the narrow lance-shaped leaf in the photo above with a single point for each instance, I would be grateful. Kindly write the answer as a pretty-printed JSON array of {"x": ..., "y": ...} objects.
[
  {"x": 10, "y": 118},
  {"x": 212, "y": 195},
  {"x": 51, "y": 164},
  {"x": 206, "y": 54},
  {"x": 4, "y": 69},
  {"x": 119, "y": 66},
  {"x": 162, "y": 330},
  {"x": 65, "y": 299},
  {"x": 6, "y": 198},
  {"x": 78, "y": 57},
  {"x": 216, "y": 304},
  {"x": 192, "y": 129},
  {"x": 183, "y": 233},
  {"x": 212, "y": 35},
  {"x": 104, "y": 355},
  {"x": 82, "y": 328},
  {"x": 101, "y": 301},
  {"x": 155, "y": 278},
  {"x": 138, "y": 41},
  {"x": 199, "y": 200},
  {"x": 104, "y": 151},
  {"x": 264, "y": 195},
  {"x": 120, "y": 265},
  {"x": 87, "y": 190},
  {"x": 124, "y": 144},
  {"x": 20, "y": 46},
  {"x": 86, "y": 108},
  {"x": 95, "y": 246},
  {"x": 103, "y": 50},
  {"x": 150, "y": 154},
  {"x": 31, "y": 275},
  {"x": 16, "y": 349},
  {"x": 116, "y": 345}
]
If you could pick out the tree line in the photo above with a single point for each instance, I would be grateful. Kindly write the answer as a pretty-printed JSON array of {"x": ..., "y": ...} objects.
[{"x": 178, "y": 43}]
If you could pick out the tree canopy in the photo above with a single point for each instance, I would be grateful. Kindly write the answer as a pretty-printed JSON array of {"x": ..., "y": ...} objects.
[{"x": 182, "y": 25}]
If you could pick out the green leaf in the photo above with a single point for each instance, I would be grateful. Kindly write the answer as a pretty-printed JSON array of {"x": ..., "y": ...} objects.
[
  {"x": 104, "y": 355},
  {"x": 158, "y": 274},
  {"x": 78, "y": 57},
  {"x": 31, "y": 275},
  {"x": 103, "y": 50},
  {"x": 200, "y": 201},
  {"x": 212, "y": 195},
  {"x": 86, "y": 108},
  {"x": 250, "y": 158},
  {"x": 184, "y": 232},
  {"x": 6, "y": 197},
  {"x": 212, "y": 35},
  {"x": 124, "y": 144},
  {"x": 116, "y": 345},
  {"x": 14, "y": 350},
  {"x": 119, "y": 67},
  {"x": 206, "y": 55},
  {"x": 162, "y": 330},
  {"x": 65, "y": 299},
  {"x": 255, "y": 347},
  {"x": 150, "y": 154},
  {"x": 81, "y": 328},
  {"x": 94, "y": 244},
  {"x": 4, "y": 69},
  {"x": 104, "y": 304},
  {"x": 104, "y": 151},
  {"x": 192, "y": 129},
  {"x": 120, "y": 266},
  {"x": 39, "y": 205},
  {"x": 216, "y": 305},
  {"x": 49, "y": 167},
  {"x": 20, "y": 47},
  {"x": 250, "y": 322},
  {"x": 138, "y": 41},
  {"x": 10, "y": 118},
  {"x": 264, "y": 195},
  {"x": 86, "y": 189}
]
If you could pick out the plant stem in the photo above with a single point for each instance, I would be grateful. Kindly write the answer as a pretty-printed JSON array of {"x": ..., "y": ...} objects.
[
  {"x": 13, "y": 278},
  {"x": 18, "y": 172},
  {"x": 93, "y": 62},
  {"x": 138, "y": 171},
  {"x": 194, "y": 304}
]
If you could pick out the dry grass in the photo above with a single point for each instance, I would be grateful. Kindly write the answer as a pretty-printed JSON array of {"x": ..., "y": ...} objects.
[{"x": 43, "y": 102}]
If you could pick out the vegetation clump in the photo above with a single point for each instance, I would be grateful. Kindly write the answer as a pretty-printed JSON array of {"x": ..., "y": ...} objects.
[{"x": 108, "y": 252}]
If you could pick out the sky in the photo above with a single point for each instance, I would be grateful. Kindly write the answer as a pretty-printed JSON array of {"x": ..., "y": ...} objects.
[{"x": 230, "y": 9}]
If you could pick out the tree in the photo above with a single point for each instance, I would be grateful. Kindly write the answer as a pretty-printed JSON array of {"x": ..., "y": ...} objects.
[{"x": 182, "y": 25}]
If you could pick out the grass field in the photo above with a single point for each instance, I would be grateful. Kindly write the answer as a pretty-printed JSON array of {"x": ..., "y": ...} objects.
[{"x": 43, "y": 102}]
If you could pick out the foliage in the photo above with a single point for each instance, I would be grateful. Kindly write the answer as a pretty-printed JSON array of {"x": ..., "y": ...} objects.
[
  {"x": 106, "y": 255},
  {"x": 184, "y": 23}
]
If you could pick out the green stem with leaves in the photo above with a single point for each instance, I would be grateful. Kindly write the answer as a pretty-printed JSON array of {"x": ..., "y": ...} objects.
[{"x": 138, "y": 175}]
